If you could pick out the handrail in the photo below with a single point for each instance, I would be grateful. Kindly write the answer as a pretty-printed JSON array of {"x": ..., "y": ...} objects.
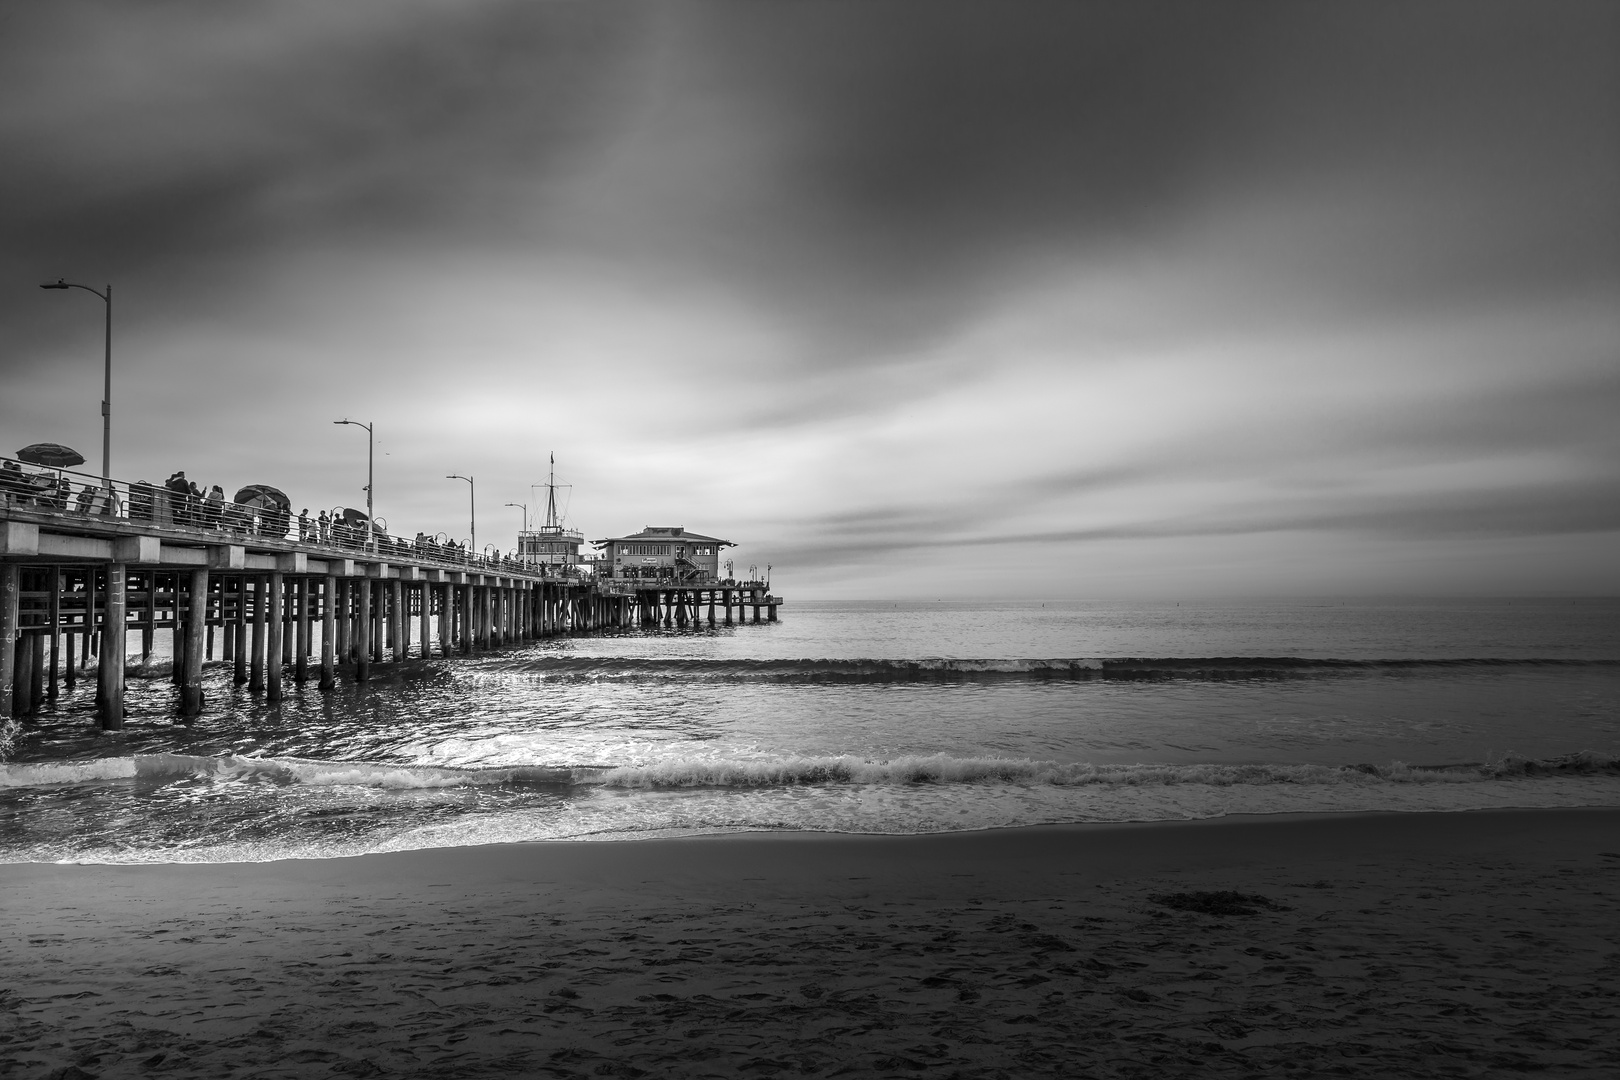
[{"x": 50, "y": 490}]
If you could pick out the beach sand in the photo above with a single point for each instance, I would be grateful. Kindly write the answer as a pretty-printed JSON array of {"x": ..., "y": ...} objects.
[{"x": 1477, "y": 944}]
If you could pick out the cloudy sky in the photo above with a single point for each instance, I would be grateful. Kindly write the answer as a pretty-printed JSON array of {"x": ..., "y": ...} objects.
[{"x": 910, "y": 299}]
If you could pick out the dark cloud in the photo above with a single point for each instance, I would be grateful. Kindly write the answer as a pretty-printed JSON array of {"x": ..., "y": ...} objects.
[{"x": 873, "y": 277}]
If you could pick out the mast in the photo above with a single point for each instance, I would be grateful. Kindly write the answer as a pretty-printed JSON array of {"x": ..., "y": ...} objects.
[{"x": 551, "y": 497}]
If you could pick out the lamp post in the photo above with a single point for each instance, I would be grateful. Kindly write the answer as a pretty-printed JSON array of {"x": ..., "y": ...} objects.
[
  {"x": 525, "y": 508},
  {"x": 106, "y": 391},
  {"x": 472, "y": 506},
  {"x": 371, "y": 524}
]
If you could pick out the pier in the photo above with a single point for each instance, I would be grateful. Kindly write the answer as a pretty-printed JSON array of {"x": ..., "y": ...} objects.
[{"x": 80, "y": 574}]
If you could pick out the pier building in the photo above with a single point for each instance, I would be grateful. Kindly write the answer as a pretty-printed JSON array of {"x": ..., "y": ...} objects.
[
  {"x": 665, "y": 553},
  {"x": 79, "y": 574}
]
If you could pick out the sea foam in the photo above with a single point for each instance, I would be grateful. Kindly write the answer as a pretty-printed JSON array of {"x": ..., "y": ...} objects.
[{"x": 785, "y": 772}]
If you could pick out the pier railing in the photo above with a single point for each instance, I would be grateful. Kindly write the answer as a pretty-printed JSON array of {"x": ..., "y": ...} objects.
[{"x": 87, "y": 498}]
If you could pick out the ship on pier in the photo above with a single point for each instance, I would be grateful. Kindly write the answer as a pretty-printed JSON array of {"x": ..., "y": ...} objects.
[{"x": 550, "y": 544}]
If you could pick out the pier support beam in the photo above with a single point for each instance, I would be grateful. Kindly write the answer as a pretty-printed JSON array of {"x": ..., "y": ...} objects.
[
  {"x": 301, "y": 615},
  {"x": 54, "y": 614},
  {"x": 424, "y": 622},
  {"x": 191, "y": 692},
  {"x": 447, "y": 610},
  {"x": 344, "y": 600},
  {"x": 110, "y": 669},
  {"x": 328, "y": 634},
  {"x": 256, "y": 652},
  {"x": 10, "y": 594},
  {"x": 399, "y": 626},
  {"x": 36, "y": 672},
  {"x": 362, "y": 665},
  {"x": 227, "y": 621},
  {"x": 176, "y": 626},
  {"x": 86, "y": 645},
  {"x": 285, "y": 615},
  {"x": 69, "y": 677},
  {"x": 239, "y": 630},
  {"x": 275, "y": 600},
  {"x": 22, "y": 678}
]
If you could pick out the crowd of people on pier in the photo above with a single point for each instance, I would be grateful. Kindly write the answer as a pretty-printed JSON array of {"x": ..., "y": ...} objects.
[
  {"x": 182, "y": 502},
  {"x": 51, "y": 490}
]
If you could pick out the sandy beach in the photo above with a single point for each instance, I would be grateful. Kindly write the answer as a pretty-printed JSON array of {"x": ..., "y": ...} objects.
[{"x": 1477, "y": 944}]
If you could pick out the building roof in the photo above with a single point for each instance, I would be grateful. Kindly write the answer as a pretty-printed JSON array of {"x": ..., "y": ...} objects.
[{"x": 665, "y": 533}]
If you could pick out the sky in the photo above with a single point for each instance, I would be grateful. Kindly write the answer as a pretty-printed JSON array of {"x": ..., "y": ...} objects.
[{"x": 908, "y": 298}]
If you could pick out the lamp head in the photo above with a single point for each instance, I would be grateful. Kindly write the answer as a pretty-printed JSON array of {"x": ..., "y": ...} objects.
[{"x": 59, "y": 283}]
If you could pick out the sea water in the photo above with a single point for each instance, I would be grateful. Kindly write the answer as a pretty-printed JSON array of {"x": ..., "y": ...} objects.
[{"x": 857, "y": 717}]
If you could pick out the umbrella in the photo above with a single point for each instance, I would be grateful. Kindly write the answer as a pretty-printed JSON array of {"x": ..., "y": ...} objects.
[
  {"x": 353, "y": 518},
  {"x": 51, "y": 455},
  {"x": 263, "y": 495}
]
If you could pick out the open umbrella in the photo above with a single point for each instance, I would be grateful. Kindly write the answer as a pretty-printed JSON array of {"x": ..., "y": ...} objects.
[
  {"x": 52, "y": 455},
  {"x": 263, "y": 495},
  {"x": 353, "y": 518}
]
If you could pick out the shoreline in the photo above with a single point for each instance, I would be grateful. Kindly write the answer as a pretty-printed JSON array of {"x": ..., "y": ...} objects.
[
  {"x": 758, "y": 834},
  {"x": 1382, "y": 944}
]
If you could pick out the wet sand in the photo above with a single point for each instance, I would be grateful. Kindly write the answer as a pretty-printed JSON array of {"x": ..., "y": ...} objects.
[{"x": 1479, "y": 944}]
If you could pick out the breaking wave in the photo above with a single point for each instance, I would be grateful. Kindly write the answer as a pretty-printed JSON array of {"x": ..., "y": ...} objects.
[
  {"x": 566, "y": 669},
  {"x": 786, "y": 772}
]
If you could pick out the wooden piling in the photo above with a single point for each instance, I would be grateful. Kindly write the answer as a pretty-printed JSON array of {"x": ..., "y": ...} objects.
[
  {"x": 227, "y": 618},
  {"x": 424, "y": 623},
  {"x": 275, "y": 600},
  {"x": 22, "y": 681},
  {"x": 110, "y": 669},
  {"x": 36, "y": 672},
  {"x": 284, "y": 613},
  {"x": 446, "y": 613},
  {"x": 466, "y": 617},
  {"x": 89, "y": 623},
  {"x": 345, "y": 624},
  {"x": 362, "y": 666},
  {"x": 301, "y": 617},
  {"x": 70, "y": 678},
  {"x": 191, "y": 693},
  {"x": 53, "y": 613},
  {"x": 401, "y": 625},
  {"x": 239, "y": 631},
  {"x": 178, "y": 650},
  {"x": 256, "y": 653},
  {"x": 378, "y": 619},
  {"x": 148, "y": 617},
  {"x": 328, "y": 632}
]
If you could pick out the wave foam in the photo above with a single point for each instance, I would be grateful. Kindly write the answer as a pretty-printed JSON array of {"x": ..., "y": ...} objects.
[
  {"x": 788, "y": 772},
  {"x": 942, "y": 769},
  {"x": 943, "y": 669}
]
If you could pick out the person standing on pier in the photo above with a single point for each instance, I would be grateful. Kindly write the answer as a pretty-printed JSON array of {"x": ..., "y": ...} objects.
[
  {"x": 323, "y": 527},
  {"x": 303, "y": 524}
]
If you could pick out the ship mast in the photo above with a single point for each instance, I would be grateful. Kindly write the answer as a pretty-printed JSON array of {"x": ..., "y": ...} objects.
[{"x": 552, "y": 524}]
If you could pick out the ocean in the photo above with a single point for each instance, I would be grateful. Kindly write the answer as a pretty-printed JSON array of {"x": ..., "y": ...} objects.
[{"x": 851, "y": 717}]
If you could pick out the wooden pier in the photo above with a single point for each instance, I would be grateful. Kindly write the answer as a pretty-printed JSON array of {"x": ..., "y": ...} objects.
[{"x": 78, "y": 579}]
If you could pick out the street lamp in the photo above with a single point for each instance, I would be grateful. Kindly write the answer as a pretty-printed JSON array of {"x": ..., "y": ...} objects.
[
  {"x": 525, "y": 508},
  {"x": 106, "y": 392},
  {"x": 371, "y": 525},
  {"x": 472, "y": 506}
]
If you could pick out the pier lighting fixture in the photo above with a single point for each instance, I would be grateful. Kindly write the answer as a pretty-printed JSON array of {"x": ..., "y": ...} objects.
[
  {"x": 371, "y": 457},
  {"x": 106, "y": 392},
  {"x": 525, "y": 508},
  {"x": 472, "y": 506}
]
